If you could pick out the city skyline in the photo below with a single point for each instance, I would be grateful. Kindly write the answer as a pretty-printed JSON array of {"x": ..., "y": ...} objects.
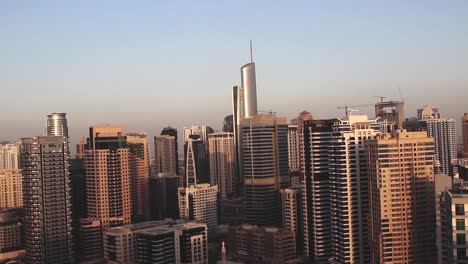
[{"x": 312, "y": 56}]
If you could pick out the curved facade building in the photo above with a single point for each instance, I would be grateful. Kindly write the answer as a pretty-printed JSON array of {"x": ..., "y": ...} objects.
[
  {"x": 249, "y": 84},
  {"x": 57, "y": 124}
]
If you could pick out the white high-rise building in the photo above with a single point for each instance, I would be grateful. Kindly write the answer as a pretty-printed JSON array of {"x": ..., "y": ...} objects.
[
  {"x": 223, "y": 163},
  {"x": 443, "y": 132},
  {"x": 201, "y": 131},
  {"x": 57, "y": 124},
  {"x": 199, "y": 203},
  {"x": 9, "y": 156}
]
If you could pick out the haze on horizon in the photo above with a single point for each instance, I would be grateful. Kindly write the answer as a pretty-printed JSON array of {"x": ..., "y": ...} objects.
[{"x": 148, "y": 64}]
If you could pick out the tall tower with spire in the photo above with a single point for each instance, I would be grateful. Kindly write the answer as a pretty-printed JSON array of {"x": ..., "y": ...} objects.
[{"x": 249, "y": 84}]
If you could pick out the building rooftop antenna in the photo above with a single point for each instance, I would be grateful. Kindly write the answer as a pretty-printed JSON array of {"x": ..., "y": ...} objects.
[{"x": 251, "y": 52}]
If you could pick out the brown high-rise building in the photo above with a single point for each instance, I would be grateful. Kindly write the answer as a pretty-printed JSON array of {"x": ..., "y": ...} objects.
[
  {"x": 108, "y": 184},
  {"x": 401, "y": 183},
  {"x": 465, "y": 135},
  {"x": 139, "y": 175}
]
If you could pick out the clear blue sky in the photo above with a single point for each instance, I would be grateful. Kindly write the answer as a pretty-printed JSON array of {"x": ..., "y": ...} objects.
[{"x": 147, "y": 64}]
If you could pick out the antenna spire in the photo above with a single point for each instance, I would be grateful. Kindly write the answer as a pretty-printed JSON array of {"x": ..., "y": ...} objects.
[{"x": 251, "y": 52}]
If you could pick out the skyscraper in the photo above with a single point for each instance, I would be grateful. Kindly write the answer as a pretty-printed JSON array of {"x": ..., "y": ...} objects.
[
  {"x": 349, "y": 189},
  {"x": 169, "y": 131},
  {"x": 199, "y": 203},
  {"x": 265, "y": 165},
  {"x": 165, "y": 154},
  {"x": 47, "y": 208},
  {"x": 139, "y": 169},
  {"x": 108, "y": 182},
  {"x": 291, "y": 214},
  {"x": 164, "y": 196},
  {"x": 443, "y": 132},
  {"x": 9, "y": 156},
  {"x": 401, "y": 181},
  {"x": 11, "y": 236},
  {"x": 197, "y": 162},
  {"x": 11, "y": 188},
  {"x": 198, "y": 132},
  {"x": 317, "y": 136},
  {"x": 465, "y": 135},
  {"x": 222, "y": 163},
  {"x": 249, "y": 86},
  {"x": 228, "y": 124},
  {"x": 57, "y": 125}
]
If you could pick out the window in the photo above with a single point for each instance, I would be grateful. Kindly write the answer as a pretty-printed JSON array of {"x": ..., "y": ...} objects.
[
  {"x": 461, "y": 239},
  {"x": 461, "y": 253},
  {"x": 460, "y": 224},
  {"x": 460, "y": 209}
]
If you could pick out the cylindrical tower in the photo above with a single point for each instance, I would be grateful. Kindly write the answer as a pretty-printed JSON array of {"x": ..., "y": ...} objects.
[
  {"x": 249, "y": 84},
  {"x": 57, "y": 125}
]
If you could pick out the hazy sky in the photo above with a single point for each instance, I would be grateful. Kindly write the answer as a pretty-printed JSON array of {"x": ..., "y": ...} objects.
[{"x": 148, "y": 64}]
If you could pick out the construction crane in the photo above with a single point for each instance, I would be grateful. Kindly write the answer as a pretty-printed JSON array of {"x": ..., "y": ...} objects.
[
  {"x": 381, "y": 98},
  {"x": 348, "y": 109}
]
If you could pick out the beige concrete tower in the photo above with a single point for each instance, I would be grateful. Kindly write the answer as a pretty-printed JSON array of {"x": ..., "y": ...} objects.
[
  {"x": 11, "y": 192},
  {"x": 402, "y": 215},
  {"x": 108, "y": 176},
  {"x": 222, "y": 163}
]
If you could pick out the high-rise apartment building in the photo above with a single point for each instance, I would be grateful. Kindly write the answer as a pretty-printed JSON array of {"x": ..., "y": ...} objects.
[
  {"x": 254, "y": 244},
  {"x": 291, "y": 214},
  {"x": 165, "y": 154},
  {"x": 46, "y": 199},
  {"x": 465, "y": 135},
  {"x": 316, "y": 138},
  {"x": 402, "y": 201},
  {"x": 443, "y": 132},
  {"x": 293, "y": 149},
  {"x": 10, "y": 156},
  {"x": 223, "y": 163},
  {"x": 265, "y": 167},
  {"x": 349, "y": 189},
  {"x": 199, "y": 203},
  {"x": 167, "y": 241},
  {"x": 139, "y": 175},
  {"x": 80, "y": 149},
  {"x": 11, "y": 236},
  {"x": 108, "y": 182},
  {"x": 11, "y": 188},
  {"x": 390, "y": 114},
  {"x": 454, "y": 221},
  {"x": 57, "y": 125}
]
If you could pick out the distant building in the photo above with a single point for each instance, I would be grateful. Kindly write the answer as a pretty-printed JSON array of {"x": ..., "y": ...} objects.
[
  {"x": 255, "y": 244},
  {"x": 223, "y": 163},
  {"x": 10, "y": 156},
  {"x": 401, "y": 191},
  {"x": 199, "y": 203},
  {"x": 139, "y": 170},
  {"x": 46, "y": 199},
  {"x": 197, "y": 162},
  {"x": 164, "y": 196},
  {"x": 80, "y": 149},
  {"x": 228, "y": 124},
  {"x": 170, "y": 131},
  {"x": 200, "y": 132},
  {"x": 78, "y": 189},
  {"x": 390, "y": 114},
  {"x": 167, "y": 241},
  {"x": 57, "y": 125},
  {"x": 293, "y": 149},
  {"x": 265, "y": 167},
  {"x": 232, "y": 211},
  {"x": 11, "y": 188},
  {"x": 465, "y": 135},
  {"x": 11, "y": 236},
  {"x": 165, "y": 154}
]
